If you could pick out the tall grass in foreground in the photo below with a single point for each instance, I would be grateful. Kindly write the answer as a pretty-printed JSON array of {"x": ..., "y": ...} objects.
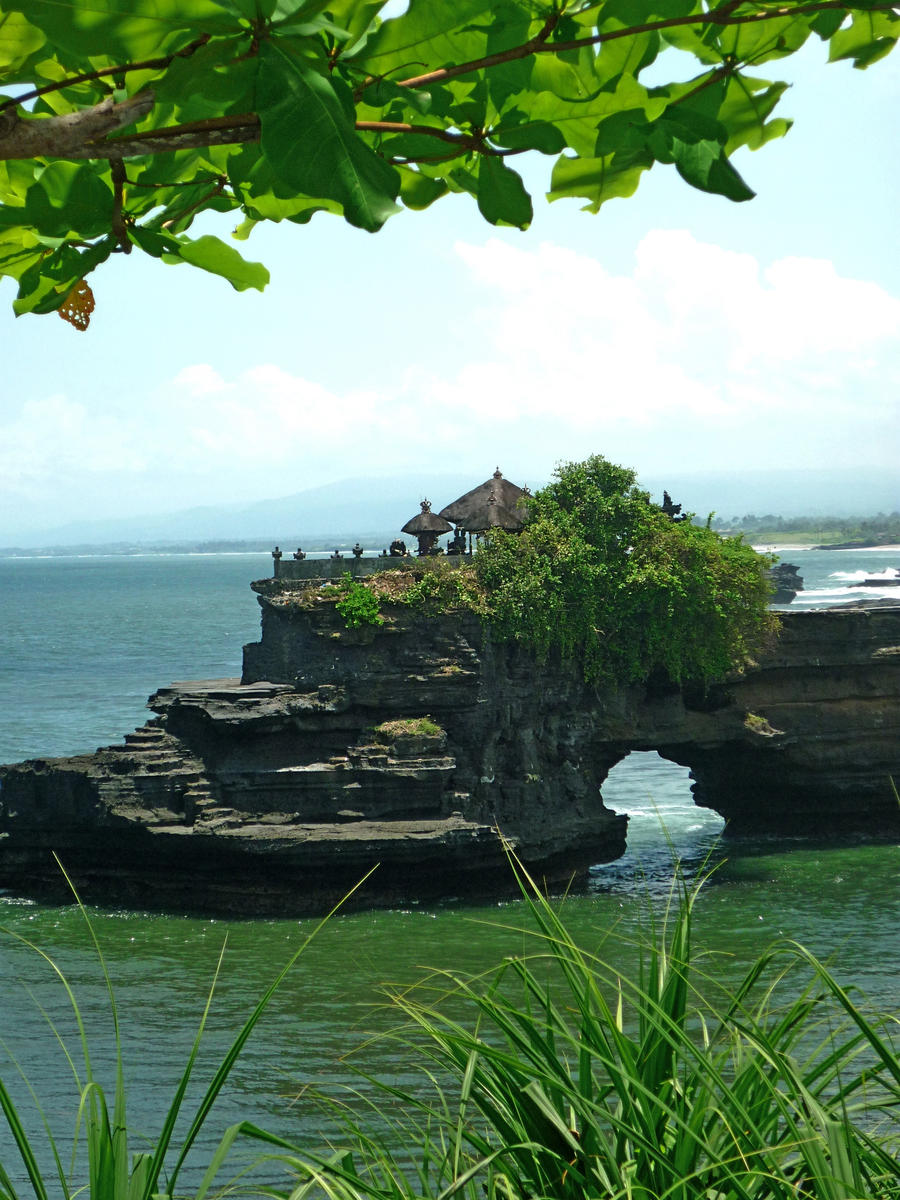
[
  {"x": 565, "y": 1080},
  {"x": 101, "y": 1163},
  {"x": 554, "y": 1077}
]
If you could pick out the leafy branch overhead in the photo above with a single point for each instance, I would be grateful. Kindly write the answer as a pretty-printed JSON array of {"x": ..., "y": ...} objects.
[{"x": 121, "y": 121}]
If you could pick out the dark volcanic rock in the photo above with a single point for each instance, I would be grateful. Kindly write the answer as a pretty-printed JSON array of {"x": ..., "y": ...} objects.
[
  {"x": 786, "y": 582},
  {"x": 275, "y": 794}
]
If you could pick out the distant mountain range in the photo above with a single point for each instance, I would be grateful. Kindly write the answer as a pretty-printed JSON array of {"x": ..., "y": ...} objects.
[{"x": 372, "y": 510}]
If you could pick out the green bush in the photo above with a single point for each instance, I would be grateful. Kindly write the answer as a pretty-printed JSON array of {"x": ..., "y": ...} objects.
[
  {"x": 358, "y": 605},
  {"x": 387, "y": 731},
  {"x": 602, "y": 574}
]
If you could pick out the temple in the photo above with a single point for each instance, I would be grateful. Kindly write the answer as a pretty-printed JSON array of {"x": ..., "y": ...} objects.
[{"x": 497, "y": 503}]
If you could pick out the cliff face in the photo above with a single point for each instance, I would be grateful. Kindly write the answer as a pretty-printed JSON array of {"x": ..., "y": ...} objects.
[{"x": 276, "y": 793}]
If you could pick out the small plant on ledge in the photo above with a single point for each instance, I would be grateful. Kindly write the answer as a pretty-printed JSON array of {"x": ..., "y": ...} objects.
[
  {"x": 419, "y": 727},
  {"x": 358, "y": 606}
]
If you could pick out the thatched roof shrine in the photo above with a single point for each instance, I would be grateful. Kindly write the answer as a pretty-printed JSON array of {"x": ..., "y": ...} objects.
[
  {"x": 491, "y": 514},
  {"x": 494, "y": 504},
  {"x": 426, "y": 521}
]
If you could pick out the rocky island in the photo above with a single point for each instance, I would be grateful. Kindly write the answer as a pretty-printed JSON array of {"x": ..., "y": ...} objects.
[{"x": 410, "y": 744}]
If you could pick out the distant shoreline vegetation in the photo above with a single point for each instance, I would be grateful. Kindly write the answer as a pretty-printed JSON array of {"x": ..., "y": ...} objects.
[{"x": 883, "y": 529}]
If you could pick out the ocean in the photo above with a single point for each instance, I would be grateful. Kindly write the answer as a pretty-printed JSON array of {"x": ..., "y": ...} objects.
[{"x": 84, "y": 641}]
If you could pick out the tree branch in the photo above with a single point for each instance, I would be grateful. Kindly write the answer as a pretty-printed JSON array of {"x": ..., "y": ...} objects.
[
  {"x": 724, "y": 16},
  {"x": 465, "y": 141},
  {"x": 149, "y": 64},
  {"x": 72, "y": 135},
  {"x": 84, "y": 134}
]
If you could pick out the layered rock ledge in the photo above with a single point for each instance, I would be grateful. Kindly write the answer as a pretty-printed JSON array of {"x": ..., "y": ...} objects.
[{"x": 278, "y": 792}]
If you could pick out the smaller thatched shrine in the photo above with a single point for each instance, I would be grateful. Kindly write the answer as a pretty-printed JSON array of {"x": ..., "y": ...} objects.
[{"x": 427, "y": 527}]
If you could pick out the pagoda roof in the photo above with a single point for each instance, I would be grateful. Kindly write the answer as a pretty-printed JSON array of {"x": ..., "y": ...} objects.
[
  {"x": 426, "y": 521},
  {"x": 507, "y": 501},
  {"x": 491, "y": 514}
]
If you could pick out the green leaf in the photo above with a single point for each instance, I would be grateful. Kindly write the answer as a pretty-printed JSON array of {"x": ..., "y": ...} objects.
[
  {"x": 250, "y": 10},
  {"x": 511, "y": 26},
  {"x": 126, "y": 30},
  {"x": 215, "y": 80},
  {"x": 417, "y": 191},
  {"x": 827, "y": 23},
  {"x": 70, "y": 198},
  {"x": 19, "y": 250},
  {"x": 598, "y": 179},
  {"x": 208, "y": 253},
  {"x": 211, "y": 254},
  {"x": 19, "y": 39},
  {"x": 528, "y": 135},
  {"x": 309, "y": 140},
  {"x": 358, "y": 17},
  {"x": 502, "y": 198},
  {"x": 44, "y": 286},
  {"x": 153, "y": 242},
  {"x": 745, "y": 109},
  {"x": 578, "y": 119},
  {"x": 430, "y": 31},
  {"x": 765, "y": 40},
  {"x": 870, "y": 36},
  {"x": 382, "y": 91},
  {"x": 696, "y": 145}
]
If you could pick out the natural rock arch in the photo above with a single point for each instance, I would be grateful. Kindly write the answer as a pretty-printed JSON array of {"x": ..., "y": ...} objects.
[{"x": 277, "y": 792}]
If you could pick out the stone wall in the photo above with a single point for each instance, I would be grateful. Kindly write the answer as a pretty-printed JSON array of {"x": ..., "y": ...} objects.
[{"x": 313, "y": 570}]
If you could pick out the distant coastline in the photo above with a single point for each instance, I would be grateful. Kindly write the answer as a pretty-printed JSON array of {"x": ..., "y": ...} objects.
[
  {"x": 783, "y": 548},
  {"x": 318, "y": 544}
]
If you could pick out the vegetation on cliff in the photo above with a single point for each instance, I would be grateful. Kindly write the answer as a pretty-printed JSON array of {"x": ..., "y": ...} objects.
[
  {"x": 409, "y": 727},
  {"x": 358, "y": 605},
  {"x": 603, "y": 576}
]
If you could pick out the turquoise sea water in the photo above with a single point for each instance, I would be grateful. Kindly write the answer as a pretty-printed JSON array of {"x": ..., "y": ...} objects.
[{"x": 82, "y": 644}]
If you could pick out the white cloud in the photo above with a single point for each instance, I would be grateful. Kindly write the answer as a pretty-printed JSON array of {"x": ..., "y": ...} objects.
[
  {"x": 700, "y": 357},
  {"x": 55, "y": 437},
  {"x": 701, "y": 353}
]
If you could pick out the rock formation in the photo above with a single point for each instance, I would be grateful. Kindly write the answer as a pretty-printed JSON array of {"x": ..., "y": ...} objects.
[
  {"x": 786, "y": 582},
  {"x": 277, "y": 792}
]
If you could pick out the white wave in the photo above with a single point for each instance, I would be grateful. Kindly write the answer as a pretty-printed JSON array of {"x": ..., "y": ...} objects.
[
  {"x": 835, "y": 595},
  {"x": 887, "y": 573}
]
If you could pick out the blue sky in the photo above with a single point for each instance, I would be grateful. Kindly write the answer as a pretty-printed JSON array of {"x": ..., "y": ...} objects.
[{"x": 672, "y": 331}]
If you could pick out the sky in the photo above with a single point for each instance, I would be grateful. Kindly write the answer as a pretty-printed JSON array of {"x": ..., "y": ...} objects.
[{"x": 672, "y": 331}]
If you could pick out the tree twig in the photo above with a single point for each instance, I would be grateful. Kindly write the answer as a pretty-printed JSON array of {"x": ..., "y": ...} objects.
[
  {"x": 724, "y": 16},
  {"x": 211, "y": 194},
  {"x": 118, "y": 214},
  {"x": 149, "y": 64}
]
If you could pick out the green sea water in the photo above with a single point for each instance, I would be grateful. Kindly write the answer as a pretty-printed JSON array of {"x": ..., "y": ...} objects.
[{"x": 84, "y": 641}]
